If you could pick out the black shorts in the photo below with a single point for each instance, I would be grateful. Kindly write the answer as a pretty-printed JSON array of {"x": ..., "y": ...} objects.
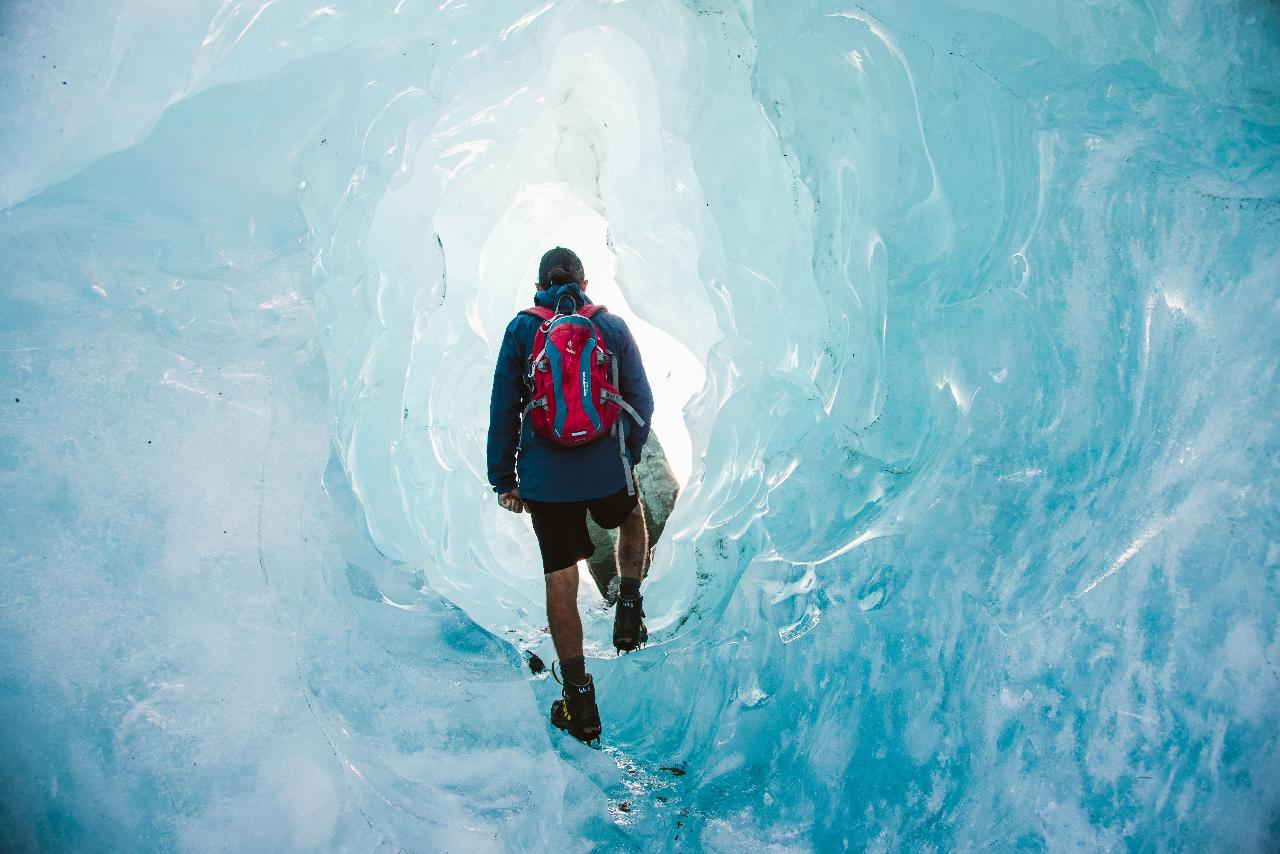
[{"x": 561, "y": 526}]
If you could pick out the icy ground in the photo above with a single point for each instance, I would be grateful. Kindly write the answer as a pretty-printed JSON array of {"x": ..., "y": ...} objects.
[{"x": 962, "y": 317}]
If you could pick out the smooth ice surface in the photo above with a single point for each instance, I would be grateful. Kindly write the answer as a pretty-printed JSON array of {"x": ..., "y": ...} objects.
[{"x": 962, "y": 317}]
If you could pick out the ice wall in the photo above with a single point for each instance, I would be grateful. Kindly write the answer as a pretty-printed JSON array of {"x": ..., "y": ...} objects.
[{"x": 967, "y": 310}]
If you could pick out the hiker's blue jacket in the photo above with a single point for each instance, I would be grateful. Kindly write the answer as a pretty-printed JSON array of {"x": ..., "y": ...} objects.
[{"x": 544, "y": 470}]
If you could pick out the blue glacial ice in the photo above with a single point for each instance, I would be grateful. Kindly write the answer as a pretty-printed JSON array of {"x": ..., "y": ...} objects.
[{"x": 962, "y": 322}]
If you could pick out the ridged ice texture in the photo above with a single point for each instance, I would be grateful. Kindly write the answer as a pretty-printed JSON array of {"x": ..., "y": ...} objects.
[{"x": 979, "y": 549}]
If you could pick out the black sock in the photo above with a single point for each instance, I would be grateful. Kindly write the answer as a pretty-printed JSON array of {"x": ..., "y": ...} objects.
[
  {"x": 629, "y": 588},
  {"x": 574, "y": 670}
]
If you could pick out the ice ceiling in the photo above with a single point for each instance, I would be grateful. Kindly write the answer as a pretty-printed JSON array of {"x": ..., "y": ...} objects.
[{"x": 961, "y": 322}]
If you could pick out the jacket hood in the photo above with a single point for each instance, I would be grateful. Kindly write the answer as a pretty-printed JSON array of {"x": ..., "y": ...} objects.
[{"x": 552, "y": 296}]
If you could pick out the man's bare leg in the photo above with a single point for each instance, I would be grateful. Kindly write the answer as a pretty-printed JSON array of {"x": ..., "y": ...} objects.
[
  {"x": 562, "y": 612},
  {"x": 633, "y": 544}
]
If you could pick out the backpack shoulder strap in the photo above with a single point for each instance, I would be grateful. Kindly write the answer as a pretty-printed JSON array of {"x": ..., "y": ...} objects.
[
  {"x": 589, "y": 311},
  {"x": 539, "y": 311}
]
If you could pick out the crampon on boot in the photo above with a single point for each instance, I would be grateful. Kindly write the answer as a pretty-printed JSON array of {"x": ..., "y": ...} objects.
[
  {"x": 629, "y": 630},
  {"x": 576, "y": 711}
]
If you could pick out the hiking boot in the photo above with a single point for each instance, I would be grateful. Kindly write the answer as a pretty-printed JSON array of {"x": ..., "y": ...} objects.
[
  {"x": 629, "y": 630},
  {"x": 576, "y": 712}
]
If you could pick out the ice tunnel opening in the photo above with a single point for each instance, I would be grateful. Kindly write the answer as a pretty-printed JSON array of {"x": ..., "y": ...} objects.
[
  {"x": 554, "y": 214},
  {"x": 452, "y": 249}
]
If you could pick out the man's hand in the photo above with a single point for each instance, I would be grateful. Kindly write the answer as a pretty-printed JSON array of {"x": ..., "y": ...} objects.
[{"x": 512, "y": 501}]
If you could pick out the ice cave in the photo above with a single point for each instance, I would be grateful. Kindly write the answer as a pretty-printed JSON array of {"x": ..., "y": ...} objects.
[{"x": 966, "y": 441}]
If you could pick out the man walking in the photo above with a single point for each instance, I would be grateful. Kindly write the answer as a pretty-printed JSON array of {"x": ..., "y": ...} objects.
[{"x": 568, "y": 418}]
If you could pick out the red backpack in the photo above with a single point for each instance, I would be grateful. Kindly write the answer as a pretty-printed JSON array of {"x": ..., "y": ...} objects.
[{"x": 572, "y": 379}]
